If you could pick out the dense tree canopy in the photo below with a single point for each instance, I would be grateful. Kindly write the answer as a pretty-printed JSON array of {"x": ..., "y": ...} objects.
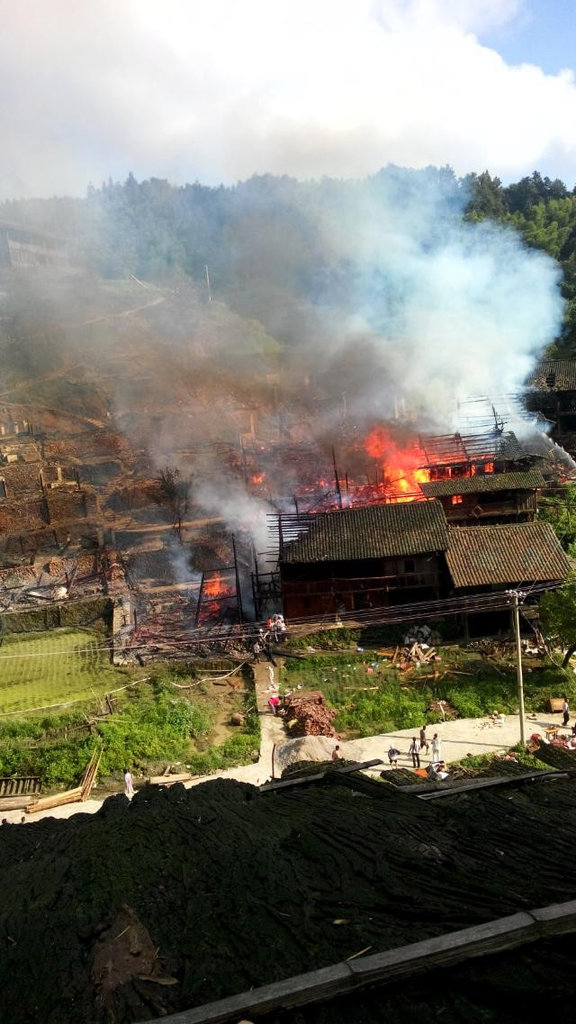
[
  {"x": 558, "y": 617},
  {"x": 264, "y": 240},
  {"x": 544, "y": 212}
]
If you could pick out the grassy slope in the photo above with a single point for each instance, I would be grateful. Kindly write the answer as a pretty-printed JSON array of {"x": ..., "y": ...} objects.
[
  {"x": 52, "y": 667},
  {"x": 372, "y": 697},
  {"x": 154, "y": 723}
]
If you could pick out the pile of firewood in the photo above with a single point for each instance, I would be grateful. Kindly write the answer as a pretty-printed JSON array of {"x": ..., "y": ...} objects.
[
  {"x": 496, "y": 650},
  {"x": 418, "y": 654},
  {"x": 306, "y": 714}
]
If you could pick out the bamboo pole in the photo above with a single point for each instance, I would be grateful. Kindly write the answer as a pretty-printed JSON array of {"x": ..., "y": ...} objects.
[{"x": 46, "y": 803}]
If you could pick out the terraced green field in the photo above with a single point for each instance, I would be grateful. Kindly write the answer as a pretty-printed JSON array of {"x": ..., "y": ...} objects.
[{"x": 54, "y": 667}]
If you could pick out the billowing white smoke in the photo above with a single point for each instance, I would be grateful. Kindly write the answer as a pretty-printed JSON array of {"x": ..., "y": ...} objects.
[
  {"x": 243, "y": 513},
  {"x": 452, "y": 309}
]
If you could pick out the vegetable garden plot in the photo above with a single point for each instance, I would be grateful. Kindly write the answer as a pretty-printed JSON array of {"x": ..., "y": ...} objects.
[{"x": 53, "y": 668}]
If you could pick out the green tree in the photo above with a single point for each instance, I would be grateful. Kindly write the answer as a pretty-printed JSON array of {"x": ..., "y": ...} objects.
[
  {"x": 560, "y": 511},
  {"x": 173, "y": 494},
  {"x": 487, "y": 197},
  {"x": 532, "y": 190},
  {"x": 549, "y": 226},
  {"x": 558, "y": 617}
]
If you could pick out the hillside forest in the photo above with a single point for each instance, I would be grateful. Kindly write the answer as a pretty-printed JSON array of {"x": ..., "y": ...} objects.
[{"x": 263, "y": 245}]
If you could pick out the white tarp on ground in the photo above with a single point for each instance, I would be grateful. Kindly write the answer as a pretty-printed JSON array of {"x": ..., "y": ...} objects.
[{"x": 305, "y": 748}]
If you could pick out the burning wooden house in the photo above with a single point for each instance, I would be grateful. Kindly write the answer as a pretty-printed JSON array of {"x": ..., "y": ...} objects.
[
  {"x": 489, "y": 474},
  {"x": 488, "y": 498},
  {"x": 360, "y": 558},
  {"x": 457, "y": 456},
  {"x": 382, "y": 556}
]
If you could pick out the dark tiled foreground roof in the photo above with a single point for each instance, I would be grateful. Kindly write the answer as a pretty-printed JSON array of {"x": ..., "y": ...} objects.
[
  {"x": 482, "y": 484},
  {"x": 519, "y": 553},
  {"x": 377, "y": 531}
]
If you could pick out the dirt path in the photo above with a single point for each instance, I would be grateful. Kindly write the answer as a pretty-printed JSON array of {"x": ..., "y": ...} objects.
[
  {"x": 163, "y": 527},
  {"x": 124, "y": 312}
]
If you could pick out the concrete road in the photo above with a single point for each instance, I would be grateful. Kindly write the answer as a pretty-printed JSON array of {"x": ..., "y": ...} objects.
[{"x": 458, "y": 738}]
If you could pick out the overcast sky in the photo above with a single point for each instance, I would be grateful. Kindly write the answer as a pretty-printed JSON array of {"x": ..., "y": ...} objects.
[{"x": 217, "y": 90}]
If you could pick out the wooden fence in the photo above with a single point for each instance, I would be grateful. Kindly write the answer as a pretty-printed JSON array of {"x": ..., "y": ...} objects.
[{"x": 20, "y": 786}]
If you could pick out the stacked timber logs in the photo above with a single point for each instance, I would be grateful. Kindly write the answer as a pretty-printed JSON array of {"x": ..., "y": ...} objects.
[
  {"x": 307, "y": 715},
  {"x": 557, "y": 755},
  {"x": 71, "y": 796}
]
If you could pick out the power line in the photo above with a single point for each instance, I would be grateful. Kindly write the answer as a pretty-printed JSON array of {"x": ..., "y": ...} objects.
[{"x": 394, "y": 615}]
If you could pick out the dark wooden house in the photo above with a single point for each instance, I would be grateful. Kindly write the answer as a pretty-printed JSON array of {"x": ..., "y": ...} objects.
[
  {"x": 21, "y": 248},
  {"x": 488, "y": 497},
  {"x": 551, "y": 391},
  {"x": 361, "y": 558}
]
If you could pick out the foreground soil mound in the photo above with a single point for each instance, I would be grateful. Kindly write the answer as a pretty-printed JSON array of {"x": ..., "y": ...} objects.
[{"x": 188, "y": 896}]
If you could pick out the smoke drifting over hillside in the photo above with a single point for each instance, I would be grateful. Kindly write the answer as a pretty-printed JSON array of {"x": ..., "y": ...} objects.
[
  {"x": 334, "y": 306},
  {"x": 447, "y": 309}
]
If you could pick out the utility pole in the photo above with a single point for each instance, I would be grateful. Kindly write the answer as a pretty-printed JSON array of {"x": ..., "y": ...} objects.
[
  {"x": 515, "y": 595},
  {"x": 208, "y": 288}
]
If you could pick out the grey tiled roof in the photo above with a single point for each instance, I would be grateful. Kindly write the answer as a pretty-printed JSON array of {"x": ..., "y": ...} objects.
[
  {"x": 489, "y": 482},
  {"x": 376, "y": 531},
  {"x": 553, "y": 375},
  {"x": 519, "y": 553}
]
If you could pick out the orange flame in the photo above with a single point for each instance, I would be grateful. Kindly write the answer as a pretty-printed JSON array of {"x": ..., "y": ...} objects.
[
  {"x": 258, "y": 478},
  {"x": 214, "y": 587},
  {"x": 400, "y": 465}
]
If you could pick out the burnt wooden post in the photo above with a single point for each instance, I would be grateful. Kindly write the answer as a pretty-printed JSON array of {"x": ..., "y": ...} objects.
[
  {"x": 338, "y": 489},
  {"x": 237, "y": 577},
  {"x": 256, "y": 589},
  {"x": 244, "y": 462},
  {"x": 255, "y": 596},
  {"x": 199, "y": 605},
  {"x": 280, "y": 538}
]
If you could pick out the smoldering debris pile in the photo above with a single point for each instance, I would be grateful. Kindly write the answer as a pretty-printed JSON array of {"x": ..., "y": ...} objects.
[{"x": 183, "y": 897}]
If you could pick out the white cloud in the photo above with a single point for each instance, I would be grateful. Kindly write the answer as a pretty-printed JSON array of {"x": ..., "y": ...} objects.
[{"x": 221, "y": 89}]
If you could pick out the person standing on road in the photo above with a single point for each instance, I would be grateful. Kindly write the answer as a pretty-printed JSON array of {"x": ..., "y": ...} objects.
[
  {"x": 413, "y": 749},
  {"x": 393, "y": 755},
  {"x": 128, "y": 784},
  {"x": 565, "y": 711},
  {"x": 436, "y": 747},
  {"x": 423, "y": 739}
]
